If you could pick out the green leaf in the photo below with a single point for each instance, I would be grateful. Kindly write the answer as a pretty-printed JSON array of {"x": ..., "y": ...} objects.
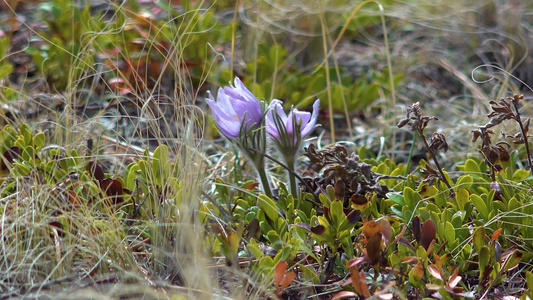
[
  {"x": 411, "y": 198},
  {"x": 337, "y": 212},
  {"x": 480, "y": 205},
  {"x": 4, "y": 46},
  {"x": 5, "y": 70},
  {"x": 440, "y": 200},
  {"x": 479, "y": 238},
  {"x": 397, "y": 198},
  {"x": 462, "y": 198},
  {"x": 28, "y": 153},
  {"x": 274, "y": 239},
  {"x": 464, "y": 182},
  {"x": 160, "y": 162},
  {"x": 324, "y": 200},
  {"x": 19, "y": 170},
  {"x": 484, "y": 258},
  {"x": 268, "y": 206},
  {"x": 529, "y": 280},
  {"x": 130, "y": 175},
  {"x": 26, "y": 133},
  {"x": 266, "y": 263},
  {"x": 520, "y": 175},
  {"x": 309, "y": 274},
  {"x": 513, "y": 204},
  {"x": 397, "y": 211},
  {"x": 512, "y": 261},
  {"x": 39, "y": 140},
  {"x": 472, "y": 167},
  {"x": 449, "y": 232}
]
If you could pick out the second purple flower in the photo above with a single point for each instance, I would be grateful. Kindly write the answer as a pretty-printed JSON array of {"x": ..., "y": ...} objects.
[{"x": 294, "y": 126}]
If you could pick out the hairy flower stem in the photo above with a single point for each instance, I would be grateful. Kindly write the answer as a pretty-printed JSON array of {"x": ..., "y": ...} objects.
[
  {"x": 523, "y": 132},
  {"x": 261, "y": 170},
  {"x": 434, "y": 157},
  {"x": 292, "y": 179}
]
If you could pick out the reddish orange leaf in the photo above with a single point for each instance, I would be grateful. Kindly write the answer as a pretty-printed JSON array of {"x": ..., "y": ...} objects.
[
  {"x": 289, "y": 277},
  {"x": 496, "y": 234},
  {"x": 363, "y": 285},
  {"x": 251, "y": 186},
  {"x": 279, "y": 272},
  {"x": 356, "y": 280}
]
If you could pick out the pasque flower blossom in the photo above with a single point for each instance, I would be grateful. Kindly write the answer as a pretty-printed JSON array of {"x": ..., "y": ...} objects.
[
  {"x": 239, "y": 116},
  {"x": 287, "y": 131},
  {"x": 236, "y": 110},
  {"x": 293, "y": 127}
]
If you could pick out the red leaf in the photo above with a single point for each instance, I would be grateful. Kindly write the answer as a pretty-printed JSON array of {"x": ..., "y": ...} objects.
[
  {"x": 95, "y": 170},
  {"x": 113, "y": 188},
  {"x": 279, "y": 272},
  {"x": 289, "y": 277},
  {"x": 496, "y": 234},
  {"x": 429, "y": 231}
]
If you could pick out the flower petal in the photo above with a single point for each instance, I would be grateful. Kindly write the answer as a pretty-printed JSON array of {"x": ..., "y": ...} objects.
[
  {"x": 244, "y": 102},
  {"x": 228, "y": 123},
  {"x": 302, "y": 117},
  {"x": 275, "y": 111},
  {"x": 307, "y": 128},
  {"x": 235, "y": 107}
]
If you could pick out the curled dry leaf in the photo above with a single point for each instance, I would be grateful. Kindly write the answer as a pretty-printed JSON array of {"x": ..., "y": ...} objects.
[
  {"x": 454, "y": 279},
  {"x": 343, "y": 295},
  {"x": 435, "y": 272}
]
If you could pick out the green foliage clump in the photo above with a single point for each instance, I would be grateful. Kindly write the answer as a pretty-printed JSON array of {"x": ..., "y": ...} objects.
[{"x": 297, "y": 87}]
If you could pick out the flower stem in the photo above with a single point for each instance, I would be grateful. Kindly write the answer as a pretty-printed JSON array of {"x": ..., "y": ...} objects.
[
  {"x": 264, "y": 178},
  {"x": 292, "y": 179},
  {"x": 518, "y": 119},
  {"x": 432, "y": 153}
]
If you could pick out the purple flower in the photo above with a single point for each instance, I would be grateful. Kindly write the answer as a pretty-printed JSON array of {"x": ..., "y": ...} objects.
[
  {"x": 236, "y": 109},
  {"x": 304, "y": 119}
]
